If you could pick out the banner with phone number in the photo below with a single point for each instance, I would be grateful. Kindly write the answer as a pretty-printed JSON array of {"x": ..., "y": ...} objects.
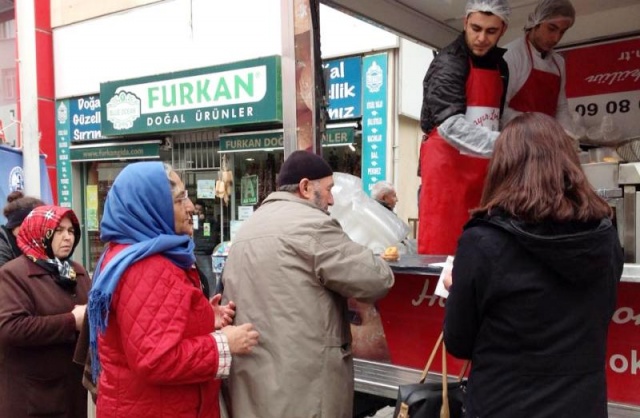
[{"x": 604, "y": 79}]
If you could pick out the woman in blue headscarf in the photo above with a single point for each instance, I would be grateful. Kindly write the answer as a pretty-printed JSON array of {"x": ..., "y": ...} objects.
[{"x": 155, "y": 348}]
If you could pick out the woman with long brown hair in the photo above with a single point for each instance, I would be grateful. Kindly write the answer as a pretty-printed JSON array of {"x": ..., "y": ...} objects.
[{"x": 534, "y": 281}]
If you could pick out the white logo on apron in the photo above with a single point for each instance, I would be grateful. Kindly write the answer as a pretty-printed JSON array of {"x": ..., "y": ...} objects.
[{"x": 489, "y": 117}]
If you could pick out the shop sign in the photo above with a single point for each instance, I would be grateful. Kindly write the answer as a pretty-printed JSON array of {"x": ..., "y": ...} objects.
[
  {"x": 116, "y": 152},
  {"x": 63, "y": 165},
  {"x": 374, "y": 120},
  {"x": 338, "y": 136},
  {"x": 275, "y": 140},
  {"x": 84, "y": 118},
  {"x": 344, "y": 88},
  {"x": 247, "y": 92},
  {"x": 606, "y": 86},
  {"x": 249, "y": 190},
  {"x": 256, "y": 141}
]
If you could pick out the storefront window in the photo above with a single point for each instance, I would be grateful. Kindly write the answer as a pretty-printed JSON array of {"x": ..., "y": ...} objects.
[{"x": 100, "y": 176}]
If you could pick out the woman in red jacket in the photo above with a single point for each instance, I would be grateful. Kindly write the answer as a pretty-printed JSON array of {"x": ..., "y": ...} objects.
[{"x": 158, "y": 351}]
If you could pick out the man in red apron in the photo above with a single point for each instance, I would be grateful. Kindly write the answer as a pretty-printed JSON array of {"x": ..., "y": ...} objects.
[
  {"x": 536, "y": 72},
  {"x": 463, "y": 97}
]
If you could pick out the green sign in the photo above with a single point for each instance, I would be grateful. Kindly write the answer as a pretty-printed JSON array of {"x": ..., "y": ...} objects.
[
  {"x": 274, "y": 140},
  {"x": 63, "y": 128},
  {"x": 246, "y": 92},
  {"x": 251, "y": 142},
  {"x": 116, "y": 152},
  {"x": 249, "y": 190},
  {"x": 338, "y": 136}
]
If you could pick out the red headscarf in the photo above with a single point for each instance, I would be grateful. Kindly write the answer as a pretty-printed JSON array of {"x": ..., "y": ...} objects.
[
  {"x": 36, "y": 235},
  {"x": 36, "y": 232}
]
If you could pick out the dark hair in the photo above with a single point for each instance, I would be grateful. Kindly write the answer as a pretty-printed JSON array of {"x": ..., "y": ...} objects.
[
  {"x": 17, "y": 201},
  {"x": 535, "y": 175},
  {"x": 201, "y": 203}
]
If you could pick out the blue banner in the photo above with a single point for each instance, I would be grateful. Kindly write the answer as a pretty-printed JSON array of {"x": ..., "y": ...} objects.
[
  {"x": 84, "y": 118},
  {"x": 374, "y": 120},
  {"x": 12, "y": 177},
  {"x": 344, "y": 88}
]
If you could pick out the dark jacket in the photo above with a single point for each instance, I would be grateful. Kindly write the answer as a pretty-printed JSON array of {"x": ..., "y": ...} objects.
[
  {"x": 8, "y": 246},
  {"x": 37, "y": 340},
  {"x": 531, "y": 305},
  {"x": 206, "y": 244},
  {"x": 444, "y": 93}
]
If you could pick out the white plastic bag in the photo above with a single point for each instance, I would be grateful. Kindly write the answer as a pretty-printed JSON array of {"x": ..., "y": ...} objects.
[{"x": 366, "y": 221}]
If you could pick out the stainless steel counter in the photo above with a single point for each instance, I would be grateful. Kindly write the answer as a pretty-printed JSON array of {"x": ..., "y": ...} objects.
[{"x": 418, "y": 264}]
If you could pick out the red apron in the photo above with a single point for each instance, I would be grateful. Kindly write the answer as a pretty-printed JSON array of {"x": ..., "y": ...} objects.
[
  {"x": 452, "y": 182},
  {"x": 540, "y": 91}
]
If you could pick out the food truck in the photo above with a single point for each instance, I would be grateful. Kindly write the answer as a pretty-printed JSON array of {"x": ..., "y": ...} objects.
[{"x": 393, "y": 339}]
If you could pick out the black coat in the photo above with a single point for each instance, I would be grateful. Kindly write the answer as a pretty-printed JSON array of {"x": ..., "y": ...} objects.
[
  {"x": 8, "y": 246},
  {"x": 444, "y": 85},
  {"x": 205, "y": 244},
  {"x": 531, "y": 305}
]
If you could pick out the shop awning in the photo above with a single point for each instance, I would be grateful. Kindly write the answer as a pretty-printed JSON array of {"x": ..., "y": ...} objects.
[
  {"x": 337, "y": 135},
  {"x": 134, "y": 150}
]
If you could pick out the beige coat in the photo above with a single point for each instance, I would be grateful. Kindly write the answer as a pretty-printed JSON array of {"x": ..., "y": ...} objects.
[{"x": 290, "y": 271}]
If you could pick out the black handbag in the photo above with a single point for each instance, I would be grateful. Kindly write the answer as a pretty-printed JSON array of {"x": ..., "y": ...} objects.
[{"x": 433, "y": 400}]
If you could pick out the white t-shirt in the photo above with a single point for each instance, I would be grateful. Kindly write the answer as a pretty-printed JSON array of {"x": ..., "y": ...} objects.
[{"x": 519, "y": 63}]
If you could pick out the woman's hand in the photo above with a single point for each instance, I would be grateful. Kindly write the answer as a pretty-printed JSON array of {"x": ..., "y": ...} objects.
[
  {"x": 448, "y": 280},
  {"x": 241, "y": 338},
  {"x": 78, "y": 314},
  {"x": 224, "y": 314}
]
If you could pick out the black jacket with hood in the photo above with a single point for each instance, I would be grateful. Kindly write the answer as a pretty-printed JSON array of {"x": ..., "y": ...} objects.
[{"x": 531, "y": 305}]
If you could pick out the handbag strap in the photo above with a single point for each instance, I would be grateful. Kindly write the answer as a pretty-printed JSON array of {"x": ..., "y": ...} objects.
[
  {"x": 425, "y": 372},
  {"x": 432, "y": 356},
  {"x": 444, "y": 411},
  {"x": 465, "y": 367}
]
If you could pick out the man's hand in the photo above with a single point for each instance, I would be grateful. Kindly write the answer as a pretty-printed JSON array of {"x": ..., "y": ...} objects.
[
  {"x": 224, "y": 314},
  {"x": 241, "y": 338}
]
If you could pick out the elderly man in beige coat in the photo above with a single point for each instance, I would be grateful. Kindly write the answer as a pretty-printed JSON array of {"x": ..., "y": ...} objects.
[{"x": 290, "y": 271}]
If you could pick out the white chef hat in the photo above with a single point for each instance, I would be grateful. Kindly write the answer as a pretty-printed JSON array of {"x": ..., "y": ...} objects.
[
  {"x": 550, "y": 9},
  {"x": 499, "y": 8}
]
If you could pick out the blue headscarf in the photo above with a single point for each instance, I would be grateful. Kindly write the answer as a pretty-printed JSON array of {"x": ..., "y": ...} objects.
[{"x": 139, "y": 212}]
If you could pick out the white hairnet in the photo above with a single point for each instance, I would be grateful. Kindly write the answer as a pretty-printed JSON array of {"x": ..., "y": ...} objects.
[
  {"x": 550, "y": 9},
  {"x": 499, "y": 8}
]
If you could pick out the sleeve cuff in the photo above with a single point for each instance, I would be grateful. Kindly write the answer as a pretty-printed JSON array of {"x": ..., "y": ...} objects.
[{"x": 224, "y": 354}]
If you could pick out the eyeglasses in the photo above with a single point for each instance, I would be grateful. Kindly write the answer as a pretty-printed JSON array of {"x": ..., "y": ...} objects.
[{"x": 182, "y": 197}]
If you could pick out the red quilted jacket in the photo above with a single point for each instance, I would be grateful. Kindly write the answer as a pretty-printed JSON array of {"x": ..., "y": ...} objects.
[{"x": 157, "y": 356}]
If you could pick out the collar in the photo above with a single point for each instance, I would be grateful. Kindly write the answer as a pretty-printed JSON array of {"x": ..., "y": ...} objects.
[
  {"x": 290, "y": 197},
  {"x": 34, "y": 269}
]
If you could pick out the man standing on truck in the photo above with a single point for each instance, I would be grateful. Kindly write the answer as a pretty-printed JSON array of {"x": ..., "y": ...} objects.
[
  {"x": 462, "y": 101},
  {"x": 537, "y": 73}
]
